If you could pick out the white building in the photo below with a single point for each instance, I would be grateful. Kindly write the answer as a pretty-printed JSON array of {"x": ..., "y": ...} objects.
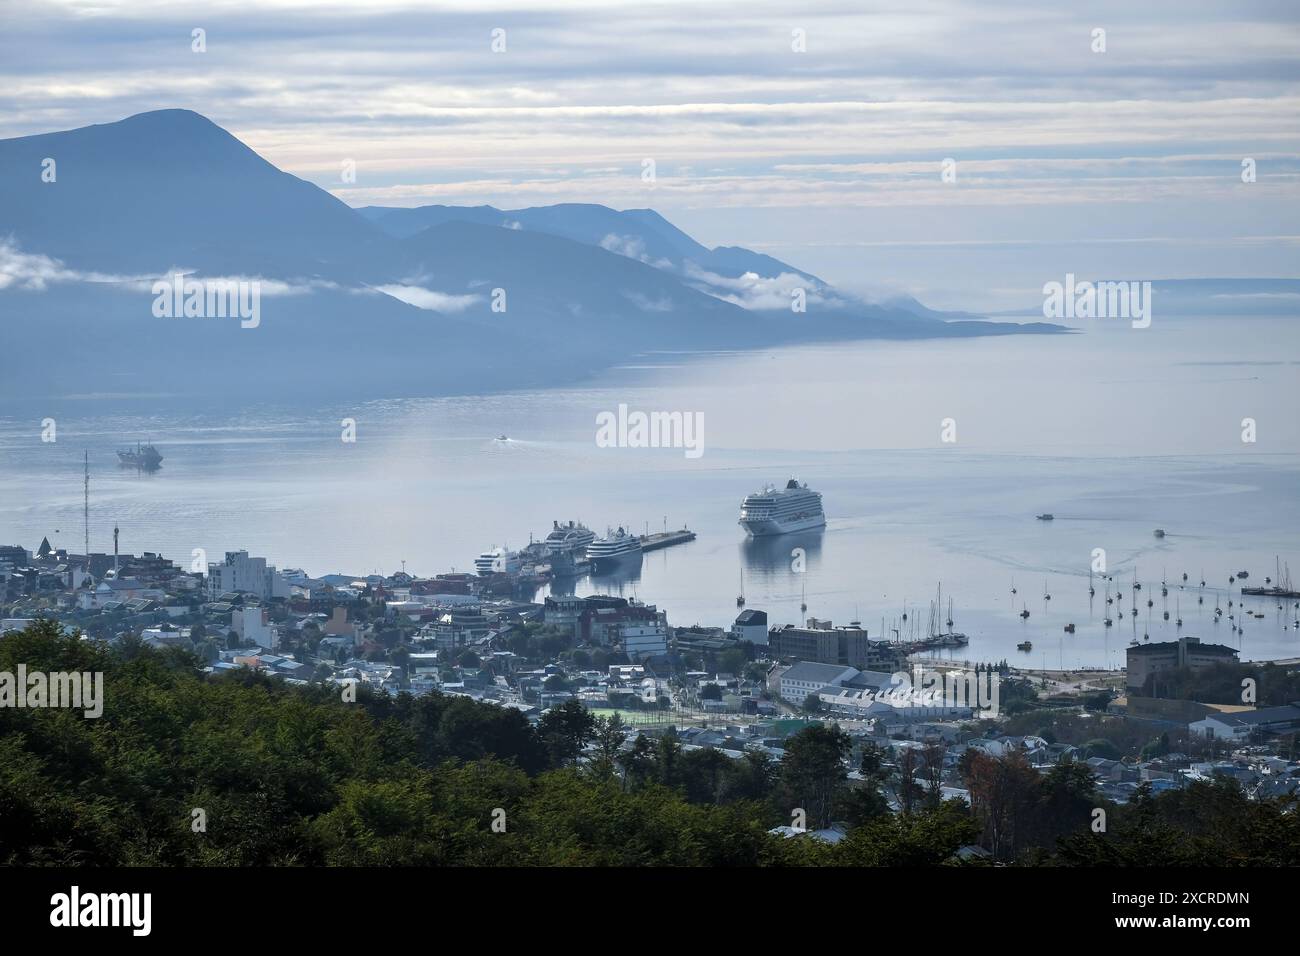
[
  {"x": 254, "y": 626},
  {"x": 806, "y": 677},
  {"x": 643, "y": 640},
  {"x": 751, "y": 626},
  {"x": 1241, "y": 724},
  {"x": 241, "y": 573}
]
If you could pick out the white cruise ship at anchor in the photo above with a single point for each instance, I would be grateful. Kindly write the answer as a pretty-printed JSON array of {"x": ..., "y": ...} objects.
[{"x": 781, "y": 511}]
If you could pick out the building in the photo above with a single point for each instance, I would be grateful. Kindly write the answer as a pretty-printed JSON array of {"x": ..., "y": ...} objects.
[
  {"x": 823, "y": 643},
  {"x": 116, "y": 590},
  {"x": 809, "y": 677},
  {"x": 240, "y": 573},
  {"x": 1240, "y": 725},
  {"x": 751, "y": 626},
  {"x": 253, "y": 625},
  {"x": 460, "y": 626},
  {"x": 1147, "y": 660},
  {"x": 649, "y": 639},
  {"x": 564, "y": 611}
]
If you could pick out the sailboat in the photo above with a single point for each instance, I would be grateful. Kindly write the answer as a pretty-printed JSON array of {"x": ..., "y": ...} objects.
[
  {"x": 951, "y": 638},
  {"x": 803, "y": 600},
  {"x": 740, "y": 600}
]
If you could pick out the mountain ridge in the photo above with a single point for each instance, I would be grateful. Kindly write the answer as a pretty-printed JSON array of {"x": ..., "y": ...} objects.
[{"x": 583, "y": 286}]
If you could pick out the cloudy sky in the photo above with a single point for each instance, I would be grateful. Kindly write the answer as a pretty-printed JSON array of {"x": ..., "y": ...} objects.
[{"x": 1125, "y": 163}]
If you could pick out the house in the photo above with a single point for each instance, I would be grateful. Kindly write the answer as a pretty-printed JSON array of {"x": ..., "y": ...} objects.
[
  {"x": 1240, "y": 725},
  {"x": 118, "y": 590}
]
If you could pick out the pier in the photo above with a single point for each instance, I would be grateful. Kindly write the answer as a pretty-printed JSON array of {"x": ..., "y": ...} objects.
[{"x": 665, "y": 539}]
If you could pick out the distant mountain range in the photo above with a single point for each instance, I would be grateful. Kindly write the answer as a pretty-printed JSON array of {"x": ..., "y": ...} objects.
[{"x": 365, "y": 302}]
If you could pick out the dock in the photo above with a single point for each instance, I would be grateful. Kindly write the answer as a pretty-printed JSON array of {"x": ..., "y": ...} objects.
[
  {"x": 1270, "y": 592},
  {"x": 665, "y": 539}
]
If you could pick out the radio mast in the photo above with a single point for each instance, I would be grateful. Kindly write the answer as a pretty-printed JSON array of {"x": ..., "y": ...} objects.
[{"x": 86, "y": 512}]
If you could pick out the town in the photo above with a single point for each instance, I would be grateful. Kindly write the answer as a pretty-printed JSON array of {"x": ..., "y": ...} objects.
[{"x": 1182, "y": 711}]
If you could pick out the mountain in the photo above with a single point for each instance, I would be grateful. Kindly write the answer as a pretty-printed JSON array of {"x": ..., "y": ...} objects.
[
  {"x": 171, "y": 188},
  {"x": 640, "y": 234},
  {"x": 367, "y": 302}
]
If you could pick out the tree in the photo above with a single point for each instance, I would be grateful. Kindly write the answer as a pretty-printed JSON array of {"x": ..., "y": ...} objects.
[
  {"x": 867, "y": 800},
  {"x": 667, "y": 755},
  {"x": 812, "y": 703},
  {"x": 813, "y": 771},
  {"x": 637, "y": 763},
  {"x": 710, "y": 692},
  {"x": 609, "y": 735},
  {"x": 565, "y": 730},
  {"x": 555, "y": 683},
  {"x": 1003, "y": 794},
  {"x": 731, "y": 661},
  {"x": 1099, "y": 747}
]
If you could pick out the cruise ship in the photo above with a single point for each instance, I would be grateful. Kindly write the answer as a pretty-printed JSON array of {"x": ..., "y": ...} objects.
[
  {"x": 497, "y": 561},
  {"x": 568, "y": 537},
  {"x": 614, "y": 549},
  {"x": 781, "y": 511}
]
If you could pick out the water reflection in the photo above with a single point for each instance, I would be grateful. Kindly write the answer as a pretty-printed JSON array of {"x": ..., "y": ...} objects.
[{"x": 783, "y": 552}]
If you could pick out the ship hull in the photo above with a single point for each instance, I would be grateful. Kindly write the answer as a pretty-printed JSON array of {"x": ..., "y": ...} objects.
[
  {"x": 613, "y": 562},
  {"x": 766, "y": 527}
]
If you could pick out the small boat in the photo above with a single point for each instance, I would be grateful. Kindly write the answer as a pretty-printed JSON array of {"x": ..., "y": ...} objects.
[
  {"x": 1025, "y": 646},
  {"x": 1159, "y": 532},
  {"x": 1069, "y": 629},
  {"x": 1243, "y": 574},
  {"x": 502, "y": 438},
  {"x": 1046, "y": 516},
  {"x": 144, "y": 456}
]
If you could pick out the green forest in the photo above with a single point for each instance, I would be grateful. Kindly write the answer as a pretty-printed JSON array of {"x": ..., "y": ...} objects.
[{"x": 190, "y": 769}]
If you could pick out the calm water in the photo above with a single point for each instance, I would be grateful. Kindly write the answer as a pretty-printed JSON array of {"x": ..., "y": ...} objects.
[{"x": 1115, "y": 431}]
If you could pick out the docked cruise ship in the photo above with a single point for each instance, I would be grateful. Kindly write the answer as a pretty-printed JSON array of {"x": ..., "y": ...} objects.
[
  {"x": 568, "y": 537},
  {"x": 499, "y": 560},
  {"x": 614, "y": 549},
  {"x": 780, "y": 511}
]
